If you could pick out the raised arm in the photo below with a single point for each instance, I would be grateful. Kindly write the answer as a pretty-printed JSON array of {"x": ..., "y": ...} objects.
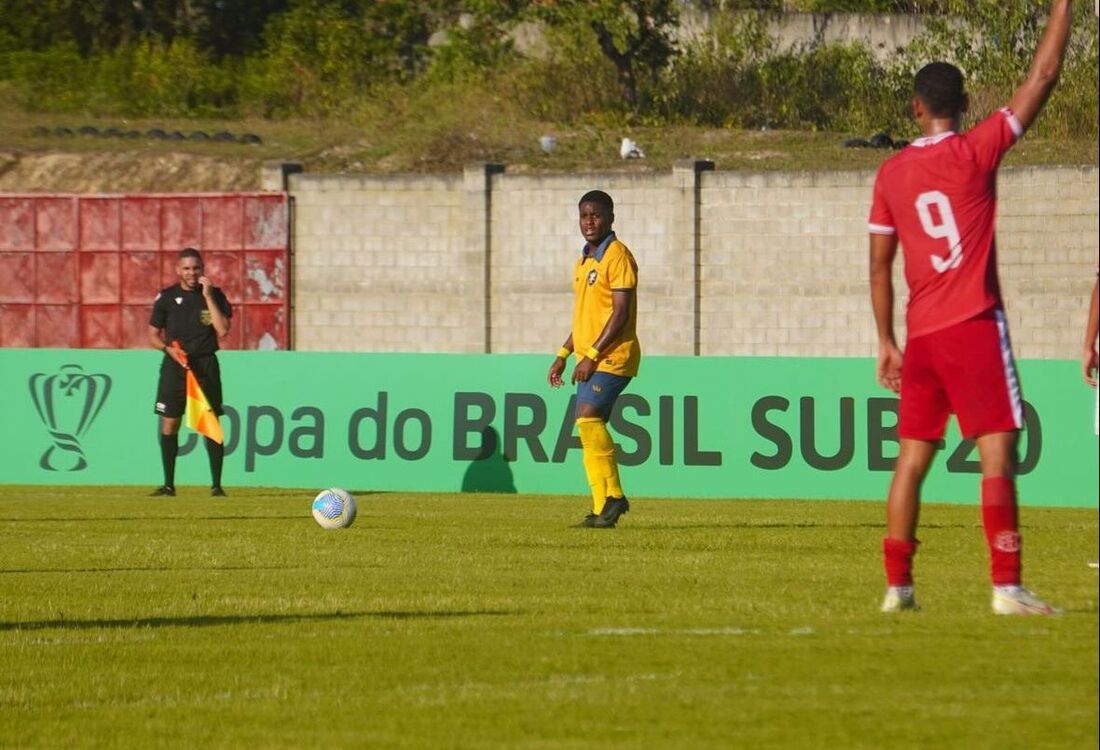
[
  {"x": 217, "y": 318},
  {"x": 1046, "y": 65}
]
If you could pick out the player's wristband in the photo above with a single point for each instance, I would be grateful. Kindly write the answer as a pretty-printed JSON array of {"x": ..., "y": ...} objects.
[
  {"x": 593, "y": 353},
  {"x": 564, "y": 353}
]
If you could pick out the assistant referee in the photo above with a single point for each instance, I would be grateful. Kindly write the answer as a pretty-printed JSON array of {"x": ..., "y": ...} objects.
[{"x": 187, "y": 321}]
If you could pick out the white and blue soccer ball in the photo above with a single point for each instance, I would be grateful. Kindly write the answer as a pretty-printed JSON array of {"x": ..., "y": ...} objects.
[{"x": 334, "y": 508}]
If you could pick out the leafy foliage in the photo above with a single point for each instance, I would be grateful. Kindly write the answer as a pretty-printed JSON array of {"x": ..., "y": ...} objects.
[
  {"x": 992, "y": 41},
  {"x": 314, "y": 59},
  {"x": 635, "y": 35},
  {"x": 172, "y": 79},
  {"x": 599, "y": 60},
  {"x": 732, "y": 77},
  {"x": 223, "y": 27}
]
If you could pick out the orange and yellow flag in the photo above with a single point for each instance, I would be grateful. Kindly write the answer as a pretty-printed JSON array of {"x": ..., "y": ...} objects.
[{"x": 200, "y": 415}]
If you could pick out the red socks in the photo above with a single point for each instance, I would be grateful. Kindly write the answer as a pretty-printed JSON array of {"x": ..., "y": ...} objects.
[
  {"x": 1000, "y": 520},
  {"x": 897, "y": 558}
]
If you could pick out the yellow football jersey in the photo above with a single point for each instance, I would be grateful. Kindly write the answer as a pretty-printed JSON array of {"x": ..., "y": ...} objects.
[{"x": 595, "y": 276}]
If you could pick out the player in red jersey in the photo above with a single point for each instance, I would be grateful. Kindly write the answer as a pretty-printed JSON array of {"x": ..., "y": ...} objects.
[
  {"x": 1090, "y": 360},
  {"x": 937, "y": 198}
]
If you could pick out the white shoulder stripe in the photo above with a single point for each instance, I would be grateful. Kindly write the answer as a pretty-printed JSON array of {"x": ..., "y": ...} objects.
[
  {"x": 1013, "y": 122},
  {"x": 881, "y": 229}
]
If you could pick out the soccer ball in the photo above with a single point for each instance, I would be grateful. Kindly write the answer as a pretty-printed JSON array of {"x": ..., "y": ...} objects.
[{"x": 334, "y": 509}]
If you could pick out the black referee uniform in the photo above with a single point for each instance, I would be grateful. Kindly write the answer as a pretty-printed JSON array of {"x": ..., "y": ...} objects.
[{"x": 183, "y": 317}]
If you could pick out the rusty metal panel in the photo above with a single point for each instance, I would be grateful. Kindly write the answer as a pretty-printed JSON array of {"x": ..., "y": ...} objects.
[
  {"x": 265, "y": 276},
  {"x": 180, "y": 223},
  {"x": 56, "y": 224},
  {"x": 141, "y": 277},
  {"x": 225, "y": 270},
  {"x": 100, "y": 224},
  {"x": 168, "y": 275},
  {"x": 55, "y": 278},
  {"x": 99, "y": 278},
  {"x": 135, "y": 326},
  {"x": 16, "y": 223},
  {"x": 266, "y": 222},
  {"x": 264, "y": 327},
  {"x": 222, "y": 219},
  {"x": 140, "y": 223},
  {"x": 16, "y": 325},
  {"x": 100, "y": 326},
  {"x": 83, "y": 270},
  {"x": 56, "y": 326},
  {"x": 16, "y": 277}
]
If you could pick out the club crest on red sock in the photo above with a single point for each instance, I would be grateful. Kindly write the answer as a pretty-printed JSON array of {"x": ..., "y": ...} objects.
[{"x": 1007, "y": 541}]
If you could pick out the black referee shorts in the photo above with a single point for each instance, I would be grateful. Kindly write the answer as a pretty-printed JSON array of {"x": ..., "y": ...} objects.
[{"x": 172, "y": 386}]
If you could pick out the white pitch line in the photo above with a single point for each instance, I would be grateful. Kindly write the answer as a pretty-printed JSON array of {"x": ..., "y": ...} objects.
[{"x": 674, "y": 631}]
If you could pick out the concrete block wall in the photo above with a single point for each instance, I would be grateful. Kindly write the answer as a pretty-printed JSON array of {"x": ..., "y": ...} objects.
[
  {"x": 730, "y": 263},
  {"x": 381, "y": 264},
  {"x": 536, "y": 243},
  {"x": 1047, "y": 243},
  {"x": 785, "y": 264}
]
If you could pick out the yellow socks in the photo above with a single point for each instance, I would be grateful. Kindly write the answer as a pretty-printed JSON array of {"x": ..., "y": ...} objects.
[
  {"x": 596, "y": 483},
  {"x": 599, "y": 461}
]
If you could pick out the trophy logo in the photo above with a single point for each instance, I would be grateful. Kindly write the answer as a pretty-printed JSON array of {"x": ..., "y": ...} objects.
[{"x": 68, "y": 402}]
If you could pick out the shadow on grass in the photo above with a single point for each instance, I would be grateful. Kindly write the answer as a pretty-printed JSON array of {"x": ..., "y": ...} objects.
[
  {"x": 203, "y": 621},
  {"x": 790, "y": 525},
  {"x": 163, "y": 569},
  {"x": 97, "y": 519}
]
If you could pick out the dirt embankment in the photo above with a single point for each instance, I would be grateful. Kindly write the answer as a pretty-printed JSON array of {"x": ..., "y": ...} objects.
[{"x": 124, "y": 172}]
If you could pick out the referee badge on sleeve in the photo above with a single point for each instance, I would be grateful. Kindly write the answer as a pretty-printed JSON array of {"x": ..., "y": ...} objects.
[{"x": 205, "y": 319}]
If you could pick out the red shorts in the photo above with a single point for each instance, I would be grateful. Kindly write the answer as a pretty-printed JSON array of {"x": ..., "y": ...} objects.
[{"x": 967, "y": 369}]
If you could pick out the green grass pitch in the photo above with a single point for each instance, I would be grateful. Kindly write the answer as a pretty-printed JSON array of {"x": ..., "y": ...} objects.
[{"x": 484, "y": 621}]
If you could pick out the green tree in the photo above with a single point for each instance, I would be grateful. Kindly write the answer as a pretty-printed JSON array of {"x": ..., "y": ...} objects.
[{"x": 635, "y": 35}]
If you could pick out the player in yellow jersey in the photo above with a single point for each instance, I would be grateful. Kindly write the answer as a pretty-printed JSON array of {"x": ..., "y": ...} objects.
[{"x": 605, "y": 343}]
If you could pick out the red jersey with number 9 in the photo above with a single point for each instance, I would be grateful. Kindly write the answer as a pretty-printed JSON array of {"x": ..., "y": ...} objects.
[{"x": 939, "y": 195}]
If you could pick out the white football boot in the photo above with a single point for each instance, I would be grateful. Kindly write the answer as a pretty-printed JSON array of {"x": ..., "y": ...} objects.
[
  {"x": 899, "y": 599},
  {"x": 1016, "y": 600}
]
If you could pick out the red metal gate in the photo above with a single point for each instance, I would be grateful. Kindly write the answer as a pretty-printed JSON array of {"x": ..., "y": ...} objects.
[{"x": 81, "y": 271}]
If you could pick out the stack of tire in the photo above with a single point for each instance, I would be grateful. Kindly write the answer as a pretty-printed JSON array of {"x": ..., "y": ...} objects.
[{"x": 153, "y": 134}]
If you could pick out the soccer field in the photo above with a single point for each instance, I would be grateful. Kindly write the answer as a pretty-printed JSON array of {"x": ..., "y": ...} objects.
[{"x": 484, "y": 621}]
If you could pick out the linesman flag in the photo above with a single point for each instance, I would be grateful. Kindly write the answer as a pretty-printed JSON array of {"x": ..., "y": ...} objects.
[{"x": 200, "y": 415}]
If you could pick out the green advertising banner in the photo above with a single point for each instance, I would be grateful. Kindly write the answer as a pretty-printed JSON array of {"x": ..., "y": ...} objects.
[{"x": 686, "y": 427}]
